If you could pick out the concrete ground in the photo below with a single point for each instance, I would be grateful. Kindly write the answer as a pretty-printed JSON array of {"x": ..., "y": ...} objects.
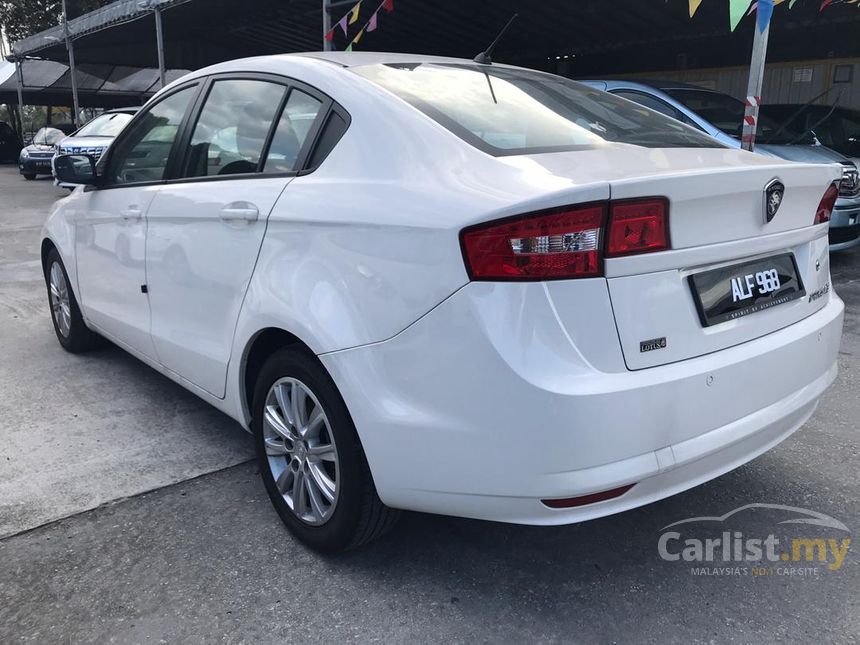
[
  {"x": 203, "y": 558},
  {"x": 81, "y": 431}
]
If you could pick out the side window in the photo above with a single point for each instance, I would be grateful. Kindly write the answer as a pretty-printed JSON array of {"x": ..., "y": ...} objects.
[
  {"x": 295, "y": 124},
  {"x": 234, "y": 123},
  {"x": 651, "y": 102},
  {"x": 142, "y": 155},
  {"x": 332, "y": 131}
]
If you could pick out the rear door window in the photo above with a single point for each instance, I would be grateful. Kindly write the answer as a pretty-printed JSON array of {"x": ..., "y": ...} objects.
[
  {"x": 234, "y": 124},
  {"x": 295, "y": 125}
]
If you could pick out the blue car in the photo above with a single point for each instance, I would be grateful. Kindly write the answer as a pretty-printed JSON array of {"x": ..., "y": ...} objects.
[{"x": 721, "y": 116}]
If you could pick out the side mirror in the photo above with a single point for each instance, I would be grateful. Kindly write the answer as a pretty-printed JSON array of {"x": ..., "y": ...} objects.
[{"x": 75, "y": 170}]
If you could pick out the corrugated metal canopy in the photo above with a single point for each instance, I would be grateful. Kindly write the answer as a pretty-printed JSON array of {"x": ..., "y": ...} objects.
[
  {"x": 605, "y": 37},
  {"x": 49, "y": 83}
]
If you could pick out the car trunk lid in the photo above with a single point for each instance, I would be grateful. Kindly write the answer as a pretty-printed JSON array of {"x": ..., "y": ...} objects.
[{"x": 717, "y": 223}]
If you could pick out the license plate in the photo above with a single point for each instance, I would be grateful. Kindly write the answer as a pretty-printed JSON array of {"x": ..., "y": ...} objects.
[
  {"x": 43, "y": 164},
  {"x": 739, "y": 290}
]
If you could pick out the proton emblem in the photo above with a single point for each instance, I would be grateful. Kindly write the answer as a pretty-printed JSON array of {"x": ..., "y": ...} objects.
[{"x": 773, "y": 194}]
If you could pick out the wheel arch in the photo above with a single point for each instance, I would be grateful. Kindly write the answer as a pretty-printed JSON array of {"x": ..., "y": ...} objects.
[
  {"x": 58, "y": 233},
  {"x": 47, "y": 246},
  {"x": 258, "y": 348}
]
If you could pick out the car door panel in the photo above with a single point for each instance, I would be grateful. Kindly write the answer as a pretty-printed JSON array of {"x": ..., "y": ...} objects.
[
  {"x": 110, "y": 228},
  {"x": 110, "y": 241},
  {"x": 204, "y": 230},
  {"x": 202, "y": 245}
]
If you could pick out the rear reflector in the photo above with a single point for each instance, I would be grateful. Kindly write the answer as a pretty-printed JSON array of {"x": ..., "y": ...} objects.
[
  {"x": 548, "y": 245},
  {"x": 572, "y": 502},
  {"x": 825, "y": 207},
  {"x": 637, "y": 226}
]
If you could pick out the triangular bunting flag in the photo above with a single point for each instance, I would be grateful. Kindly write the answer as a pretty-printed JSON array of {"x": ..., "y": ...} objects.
[
  {"x": 353, "y": 13},
  {"x": 824, "y": 5},
  {"x": 330, "y": 35},
  {"x": 371, "y": 24},
  {"x": 737, "y": 9},
  {"x": 348, "y": 48},
  {"x": 342, "y": 25},
  {"x": 388, "y": 5},
  {"x": 694, "y": 5},
  {"x": 358, "y": 37},
  {"x": 765, "y": 11}
]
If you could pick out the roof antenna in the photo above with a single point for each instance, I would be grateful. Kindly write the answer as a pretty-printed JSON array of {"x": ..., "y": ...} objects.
[{"x": 484, "y": 58}]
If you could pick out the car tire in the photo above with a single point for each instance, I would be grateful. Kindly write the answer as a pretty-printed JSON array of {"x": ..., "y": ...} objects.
[
  {"x": 69, "y": 325},
  {"x": 29, "y": 176},
  {"x": 344, "y": 511}
]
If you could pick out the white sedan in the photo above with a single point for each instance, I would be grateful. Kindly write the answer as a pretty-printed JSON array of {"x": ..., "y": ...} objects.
[{"x": 459, "y": 288}]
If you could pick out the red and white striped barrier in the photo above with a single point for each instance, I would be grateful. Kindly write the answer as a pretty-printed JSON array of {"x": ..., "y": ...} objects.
[{"x": 750, "y": 122}]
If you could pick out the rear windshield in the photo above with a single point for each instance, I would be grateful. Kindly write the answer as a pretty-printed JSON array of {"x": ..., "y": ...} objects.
[
  {"x": 506, "y": 111},
  {"x": 727, "y": 113},
  {"x": 106, "y": 125}
]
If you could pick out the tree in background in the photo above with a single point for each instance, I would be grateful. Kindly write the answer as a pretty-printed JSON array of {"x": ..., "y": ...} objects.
[{"x": 22, "y": 18}]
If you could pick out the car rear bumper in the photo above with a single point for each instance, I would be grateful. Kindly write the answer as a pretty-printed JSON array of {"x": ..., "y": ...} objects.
[
  {"x": 35, "y": 166},
  {"x": 478, "y": 416}
]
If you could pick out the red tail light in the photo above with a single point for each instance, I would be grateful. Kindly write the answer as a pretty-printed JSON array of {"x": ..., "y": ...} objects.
[
  {"x": 564, "y": 243},
  {"x": 825, "y": 207},
  {"x": 559, "y": 243},
  {"x": 582, "y": 500},
  {"x": 637, "y": 227}
]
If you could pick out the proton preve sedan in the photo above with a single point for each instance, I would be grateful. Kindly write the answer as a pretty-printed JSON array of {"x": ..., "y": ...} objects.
[{"x": 435, "y": 285}]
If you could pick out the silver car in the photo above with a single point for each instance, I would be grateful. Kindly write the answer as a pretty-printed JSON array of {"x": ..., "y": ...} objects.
[
  {"x": 95, "y": 135},
  {"x": 721, "y": 116}
]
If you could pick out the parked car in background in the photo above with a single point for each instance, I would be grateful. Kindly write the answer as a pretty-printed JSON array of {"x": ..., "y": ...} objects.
[
  {"x": 96, "y": 135},
  {"x": 835, "y": 127},
  {"x": 10, "y": 143},
  {"x": 435, "y": 285},
  {"x": 721, "y": 116},
  {"x": 35, "y": 159}
]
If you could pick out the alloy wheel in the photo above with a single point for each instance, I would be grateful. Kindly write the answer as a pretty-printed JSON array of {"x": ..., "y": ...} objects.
[
  {"x": 61, "y": 308},
  {"x": 301, "y": 451}
]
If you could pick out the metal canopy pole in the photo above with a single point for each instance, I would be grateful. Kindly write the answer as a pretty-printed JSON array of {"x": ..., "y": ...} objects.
[
  {"x": 19, "y": 84},
  {"x": 753, "y": 100},
  {"x": 159, "y": 41},
  {"x": 326, "y": 11},
  {"x": 71, "y": 50}
]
